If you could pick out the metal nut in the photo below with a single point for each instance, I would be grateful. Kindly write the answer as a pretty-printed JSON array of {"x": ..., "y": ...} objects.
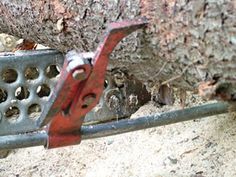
[
  {"x": 114, "y": 102},
  {"x": 119, "y": 79},
  {"x": 79, "y": 74},
  {"x": 133, "y": 100}
]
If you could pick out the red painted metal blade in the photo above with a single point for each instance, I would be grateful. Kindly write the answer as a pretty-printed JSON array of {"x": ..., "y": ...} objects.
[{"x": 64, "y": 129}]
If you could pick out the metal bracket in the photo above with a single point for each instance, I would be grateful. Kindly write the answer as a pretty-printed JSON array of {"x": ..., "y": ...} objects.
[{"x": 80, "y": 87}]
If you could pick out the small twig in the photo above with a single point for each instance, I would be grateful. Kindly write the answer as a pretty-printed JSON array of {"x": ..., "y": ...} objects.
[
  {"x": 178, "y": 76},
  {"x": 162, "y": 68}
]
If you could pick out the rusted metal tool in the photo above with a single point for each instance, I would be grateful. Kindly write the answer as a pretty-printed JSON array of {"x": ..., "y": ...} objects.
[{"x": 80, "y": 87}]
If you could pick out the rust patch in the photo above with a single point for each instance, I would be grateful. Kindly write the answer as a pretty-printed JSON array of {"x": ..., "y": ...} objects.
[
  {"x": 219, "y": 91},
  {"x": 207, "y": 89},
  {"x": 26, "y": 45}
]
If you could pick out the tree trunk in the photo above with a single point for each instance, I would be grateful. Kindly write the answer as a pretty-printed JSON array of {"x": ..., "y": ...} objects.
[{"x": 188, "y": 44}]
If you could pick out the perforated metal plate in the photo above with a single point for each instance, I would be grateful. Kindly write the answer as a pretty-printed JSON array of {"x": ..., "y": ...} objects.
[
  {"x": 27, "y": 79},
  {"x": 26, "y": 82}
]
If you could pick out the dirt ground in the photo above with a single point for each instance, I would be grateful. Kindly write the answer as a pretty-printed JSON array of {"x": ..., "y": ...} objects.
[{"x": 198, "y": 148}]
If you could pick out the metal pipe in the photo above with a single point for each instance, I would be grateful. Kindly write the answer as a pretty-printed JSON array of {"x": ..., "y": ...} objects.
[
  {"x": 128, "y": 125},
  {"x": 118, "y": 127},
  {"x": 23, "y": 140}
]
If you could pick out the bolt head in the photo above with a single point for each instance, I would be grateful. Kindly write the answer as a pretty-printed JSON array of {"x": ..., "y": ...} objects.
[
  {"x": 133, "y": 100},
  {"x": 114, "y": 102},
  {"x": 79, "y": 74}
]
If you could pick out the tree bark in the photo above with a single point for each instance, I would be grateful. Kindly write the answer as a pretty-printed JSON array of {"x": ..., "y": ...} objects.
[{"x": 188, "y": 44}]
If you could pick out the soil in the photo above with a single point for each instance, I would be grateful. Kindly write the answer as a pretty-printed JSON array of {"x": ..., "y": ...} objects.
[{"x": 199, "y": 148}]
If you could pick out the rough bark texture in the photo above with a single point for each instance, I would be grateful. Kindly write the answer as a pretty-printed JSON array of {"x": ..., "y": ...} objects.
[{"x": 187, "y": 42}]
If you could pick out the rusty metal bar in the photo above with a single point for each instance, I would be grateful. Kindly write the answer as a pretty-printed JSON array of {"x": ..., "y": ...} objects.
[
  {"x": 121, "y": 126},
  {"x": 156, "y": 120},
  {"x": 23, "y": 140}
]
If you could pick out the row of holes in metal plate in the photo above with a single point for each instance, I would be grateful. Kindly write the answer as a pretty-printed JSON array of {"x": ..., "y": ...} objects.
[{"x": 9, "y": 76}]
